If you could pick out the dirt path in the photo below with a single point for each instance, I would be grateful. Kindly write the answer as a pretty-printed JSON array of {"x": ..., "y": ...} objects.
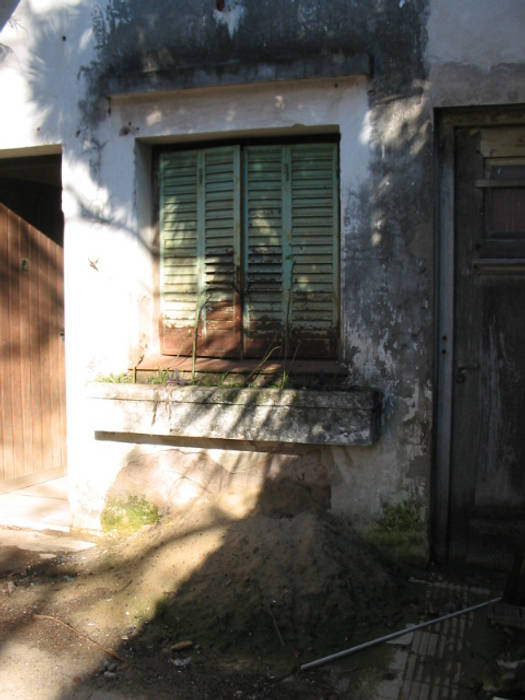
[{"x": 204, "y": 607}]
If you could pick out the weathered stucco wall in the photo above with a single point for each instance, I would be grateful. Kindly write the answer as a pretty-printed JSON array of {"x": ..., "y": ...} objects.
[
  {"x": 476, "y": 53},
  {"x": 76, "y": 59},
  {"x": 104, "y": 83}
]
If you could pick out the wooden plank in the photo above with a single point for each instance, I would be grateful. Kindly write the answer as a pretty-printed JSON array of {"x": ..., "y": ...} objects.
[
  {"x": 9, "y": 456},
  {"x": 37, "y": 404},
  {"x": 5, "y": 454},
  {"x": 14, "y": 402},
  {"x": 208, "y": 364},
  {"x": 502, "y": 143},
  {"x": 486, "y": 183},
  {"x": 445, "y": 263},
  {"x": 52, "y": 351},
  {"x": 32, "y": 381},
  {"x": 26, "y": 359}
]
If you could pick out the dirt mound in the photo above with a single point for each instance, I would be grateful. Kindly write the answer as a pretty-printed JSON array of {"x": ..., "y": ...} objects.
[
  {"x": 276, "y": 590},
  {"x": 301, "y": 582},
  {"x": 208, "y": 607},
  {"x": 259, "y": 586}
]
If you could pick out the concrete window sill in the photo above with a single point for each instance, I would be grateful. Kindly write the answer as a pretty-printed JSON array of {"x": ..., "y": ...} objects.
[{"x": 290, "y": 416}]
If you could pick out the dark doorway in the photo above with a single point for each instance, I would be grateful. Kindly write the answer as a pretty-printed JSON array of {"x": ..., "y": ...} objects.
[
  {"x": 32, "y": 188},
  {"x": 32, "y": 375}
]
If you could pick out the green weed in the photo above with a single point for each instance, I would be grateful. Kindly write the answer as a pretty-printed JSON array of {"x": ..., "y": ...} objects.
[
  {"x": 122, "y": 378},
  {"x": 400, "y": 533},
  {"x": 125, "y": 517}
]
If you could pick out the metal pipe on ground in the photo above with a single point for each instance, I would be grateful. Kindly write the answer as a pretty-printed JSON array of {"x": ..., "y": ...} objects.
[{"x": 400, "y": 633}]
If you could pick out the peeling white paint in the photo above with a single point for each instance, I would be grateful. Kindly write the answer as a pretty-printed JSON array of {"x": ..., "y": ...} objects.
[
  {"x": 366, "y": 129},
  {"x": 231, "y": 15},
  {"x": 85, "y": 39}
]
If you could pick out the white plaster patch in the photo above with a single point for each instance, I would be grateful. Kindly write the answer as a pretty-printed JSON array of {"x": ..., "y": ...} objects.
[
  {"x": 45, "y": 6},
  {"x": 366, "y": 129},
  {"x": 399, "y": 125},
  {"x": 85, "y": 39},
  {"x": 231, "y": 15}
]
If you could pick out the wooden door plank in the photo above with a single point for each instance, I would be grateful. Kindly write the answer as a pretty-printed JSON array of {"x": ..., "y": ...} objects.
[
  {"x": 14, "y": 401},
  {"x": 36, "y": 403},
  {"x": 54, "y": 343},
  {"x": 48, "y": 296},
  {"x": 444, "y": 347},
  {"x": 24, "y": 271},
  {"x": 466, "y": 437},
  {"x": 5, "y": 452},
  {"x": 32, "y": 373},
  {"x": 488, "y": 447},
  {"x": 44, "y": 370},
  {"x": 61, "y": 364}
]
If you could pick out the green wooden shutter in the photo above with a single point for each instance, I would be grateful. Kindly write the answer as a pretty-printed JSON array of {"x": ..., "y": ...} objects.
[
  {"x": 221, "y": 315},
  {"x": 263, "y": 250},
  {"x": 179, "y": 278},
  {"x": 314, "y": 303},
  {"x": 291, "y": 267},
  {"x": 200, "y": 251}
]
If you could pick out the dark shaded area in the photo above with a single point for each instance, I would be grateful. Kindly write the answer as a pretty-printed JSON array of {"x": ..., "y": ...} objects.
[
  {"x": 32, "y": 188},
  {"x": 277, "y": 592},
  {"x": 7, "y": 7},
  {"x": 188, "y": 44}
]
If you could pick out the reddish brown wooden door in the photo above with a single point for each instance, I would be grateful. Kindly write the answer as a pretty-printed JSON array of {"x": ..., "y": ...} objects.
[{"x": 32, "y": 378}]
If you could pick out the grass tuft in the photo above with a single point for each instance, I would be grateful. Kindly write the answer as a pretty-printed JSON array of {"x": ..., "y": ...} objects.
[{"x": 125, "y": 517}]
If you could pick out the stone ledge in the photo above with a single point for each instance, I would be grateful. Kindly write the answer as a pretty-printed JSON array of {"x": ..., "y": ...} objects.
[
  {"x": 289, "y": 416},
  {"x": 236, "y": 72}
]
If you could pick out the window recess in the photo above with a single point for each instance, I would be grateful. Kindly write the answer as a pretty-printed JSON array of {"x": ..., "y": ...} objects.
[{"x": 249, "y": 240}]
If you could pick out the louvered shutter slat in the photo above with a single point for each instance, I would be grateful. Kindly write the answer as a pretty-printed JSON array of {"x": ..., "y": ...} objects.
[
  {"x": 263, "y": 303},
  {"x": 200, "y": 252},
  {"x": 315, "y": 242},
  {"x": 220, "y": 331},
  {"x": 179, "y": 282}
]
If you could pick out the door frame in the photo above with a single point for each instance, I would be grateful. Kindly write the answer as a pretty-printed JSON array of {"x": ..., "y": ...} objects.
[{"x": 446, "y": 122}]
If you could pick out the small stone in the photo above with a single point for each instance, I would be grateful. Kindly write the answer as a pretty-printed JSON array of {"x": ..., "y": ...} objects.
[
  {"x": 510, "y": 665},
  {"x": 184, "y": 644},
  {"x": 181, "y": 663},
  {"x": 110, "y": 674},
  {"x": 10, "y": 587}
]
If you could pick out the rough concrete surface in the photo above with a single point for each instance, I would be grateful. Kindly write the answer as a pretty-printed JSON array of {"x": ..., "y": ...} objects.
[{"x": 34, "y": 525}]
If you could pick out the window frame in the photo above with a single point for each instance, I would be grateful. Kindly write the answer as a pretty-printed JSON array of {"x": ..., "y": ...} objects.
[{"x": 244, "y": 143}]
